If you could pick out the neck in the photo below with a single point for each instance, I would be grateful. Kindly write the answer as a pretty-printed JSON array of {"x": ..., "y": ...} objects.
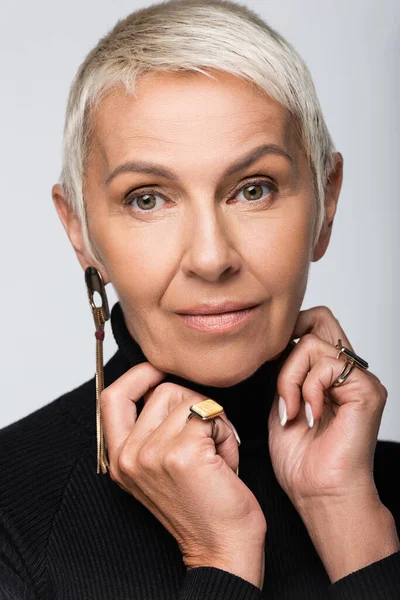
[{"x": 246, "y": 404}]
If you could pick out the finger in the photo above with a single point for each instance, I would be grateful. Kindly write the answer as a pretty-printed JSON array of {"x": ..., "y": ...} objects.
[
  {"x": 360, "y": 397},
  {"x": 320, "y": 321},
  {"x": 296, "y": 367},
  {"x": 117, "y": 403},
  {"x": 164, "y": 414},
  {"x": 159, "y": 403},
  {"x": 194, "y": 442},
  {"x": 358, "y": 387}
]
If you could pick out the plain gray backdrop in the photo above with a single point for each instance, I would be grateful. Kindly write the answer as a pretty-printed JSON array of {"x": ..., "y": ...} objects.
[{"x": 352, "y": 49}]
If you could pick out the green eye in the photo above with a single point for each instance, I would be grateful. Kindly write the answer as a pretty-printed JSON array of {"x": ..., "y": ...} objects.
[
  {"x": 254, "y": 190},
  {"x": 145, "y": 201}
]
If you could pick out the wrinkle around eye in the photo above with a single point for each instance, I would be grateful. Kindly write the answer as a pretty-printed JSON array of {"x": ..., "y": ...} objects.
[
  {"x": 130, "y": 199},
  {"x": 126, "y": 200}
]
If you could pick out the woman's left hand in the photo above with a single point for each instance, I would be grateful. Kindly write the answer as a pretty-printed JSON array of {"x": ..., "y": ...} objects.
[
  {"x": 327, "y": 470},
  {"x": 332, "y": 461}
]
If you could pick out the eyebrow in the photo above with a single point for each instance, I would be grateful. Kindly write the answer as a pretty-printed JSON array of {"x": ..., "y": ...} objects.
[{"x": 242, "y": 163}]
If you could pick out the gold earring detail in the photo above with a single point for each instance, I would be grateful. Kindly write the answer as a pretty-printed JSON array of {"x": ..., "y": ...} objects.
[{"x": 101, "y": 314}]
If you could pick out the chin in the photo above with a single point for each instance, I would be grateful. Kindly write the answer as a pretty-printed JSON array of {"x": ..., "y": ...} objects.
[
  {"x": 224, "y": 375},
  {"x": 222, "y": 382},
  {"x": 216, "y": 368}
]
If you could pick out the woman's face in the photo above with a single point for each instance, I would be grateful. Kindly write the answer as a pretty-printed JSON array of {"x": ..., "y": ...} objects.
[{"x": 204, "y": 232}]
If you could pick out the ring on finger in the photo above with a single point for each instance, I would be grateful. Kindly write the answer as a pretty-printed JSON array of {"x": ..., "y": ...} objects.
[
  {"x": 207, "y": 410},
  {"x": 343, "y": 374},
  {"x": 213, "y": 425},
  {"x": 352, "y": 359}
]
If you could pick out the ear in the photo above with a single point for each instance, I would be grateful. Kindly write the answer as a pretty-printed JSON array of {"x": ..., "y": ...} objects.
[
  {"x": 73, "y": 228},
  {"x": 332, "y": 192}
]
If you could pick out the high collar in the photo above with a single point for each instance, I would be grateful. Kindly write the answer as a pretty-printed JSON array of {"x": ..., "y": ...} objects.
[{"x": 246, "y": 404}]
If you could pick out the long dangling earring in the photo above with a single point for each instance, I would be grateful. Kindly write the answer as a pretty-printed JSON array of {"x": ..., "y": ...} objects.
[{"x": 101, "y": 314}]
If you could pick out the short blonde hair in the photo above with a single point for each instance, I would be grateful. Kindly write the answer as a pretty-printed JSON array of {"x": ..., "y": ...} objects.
[{"x": 187, "y": 36}]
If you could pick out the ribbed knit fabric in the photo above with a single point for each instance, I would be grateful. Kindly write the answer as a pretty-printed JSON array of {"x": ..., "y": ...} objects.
[{"x": 67, "y": 533}]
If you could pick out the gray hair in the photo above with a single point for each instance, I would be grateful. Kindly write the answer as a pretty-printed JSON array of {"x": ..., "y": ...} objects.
[{"x": 186, "y": 36}]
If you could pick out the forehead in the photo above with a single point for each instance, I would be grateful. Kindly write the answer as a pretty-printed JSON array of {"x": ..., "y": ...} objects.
[{"x": 181, "y": 113}]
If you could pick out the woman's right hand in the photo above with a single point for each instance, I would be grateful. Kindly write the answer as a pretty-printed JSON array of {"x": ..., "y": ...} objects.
[{"x": 188, "y": 481}]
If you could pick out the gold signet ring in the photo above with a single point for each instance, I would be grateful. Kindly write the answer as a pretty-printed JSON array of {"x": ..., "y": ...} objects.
[{"x": 206, "y": 409}]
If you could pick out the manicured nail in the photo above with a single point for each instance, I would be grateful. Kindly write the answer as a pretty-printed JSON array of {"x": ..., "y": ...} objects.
[
  {"x": 309, "y": 415},
  {"x": 235, "y": 432},
  {"x": 282, "y": 411}
]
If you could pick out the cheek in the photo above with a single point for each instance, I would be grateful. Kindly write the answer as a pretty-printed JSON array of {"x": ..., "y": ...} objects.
[
  {"x": 280, "y": 254},
  {"x": 139, "y": 269}
]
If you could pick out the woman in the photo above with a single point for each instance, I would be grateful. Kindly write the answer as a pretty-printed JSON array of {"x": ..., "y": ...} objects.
[{"x": 203, "y": 196}]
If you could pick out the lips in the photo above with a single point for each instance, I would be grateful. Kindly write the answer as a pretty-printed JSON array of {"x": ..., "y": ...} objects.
[
  {"x": 221, "y": 322},
  {"x": 217, "y": 309}
]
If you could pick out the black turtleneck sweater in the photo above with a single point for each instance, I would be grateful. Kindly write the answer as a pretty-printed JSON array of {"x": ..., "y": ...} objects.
[{"x": 67, "y": 533}]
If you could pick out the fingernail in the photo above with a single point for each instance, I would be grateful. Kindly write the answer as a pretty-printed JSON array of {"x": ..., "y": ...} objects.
[
  {"x": 309, "y": 415},
  {"x": 237, "y": 471},
  {"x": 282, "y": 411},
  {"x": 234, "y": 430},
  {"x": 236, "y": 434}
]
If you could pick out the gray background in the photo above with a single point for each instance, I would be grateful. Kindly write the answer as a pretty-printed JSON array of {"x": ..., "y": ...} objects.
[{"x": 352, "y": 50}]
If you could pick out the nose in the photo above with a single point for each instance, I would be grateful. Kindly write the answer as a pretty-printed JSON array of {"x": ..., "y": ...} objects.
[{"x": 209, "y": 251}]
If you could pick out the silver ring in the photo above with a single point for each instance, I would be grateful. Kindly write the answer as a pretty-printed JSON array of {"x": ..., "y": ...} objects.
[{"x": 213, "y": 425}]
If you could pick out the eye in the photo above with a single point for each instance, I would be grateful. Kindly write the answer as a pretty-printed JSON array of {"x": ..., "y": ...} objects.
[
  {"x": 146, "y": 201},
  {"x": 253, "y": 189}
]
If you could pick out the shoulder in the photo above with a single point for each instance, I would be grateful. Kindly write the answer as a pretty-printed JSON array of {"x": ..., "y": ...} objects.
[
  {"x": 386, "y": 469},
  {"x": 23, "y": 443},
  {"x": 42, "y": 457},
  {"x": 47, "y": 441},
  {"x": 38, "y": 454}
]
